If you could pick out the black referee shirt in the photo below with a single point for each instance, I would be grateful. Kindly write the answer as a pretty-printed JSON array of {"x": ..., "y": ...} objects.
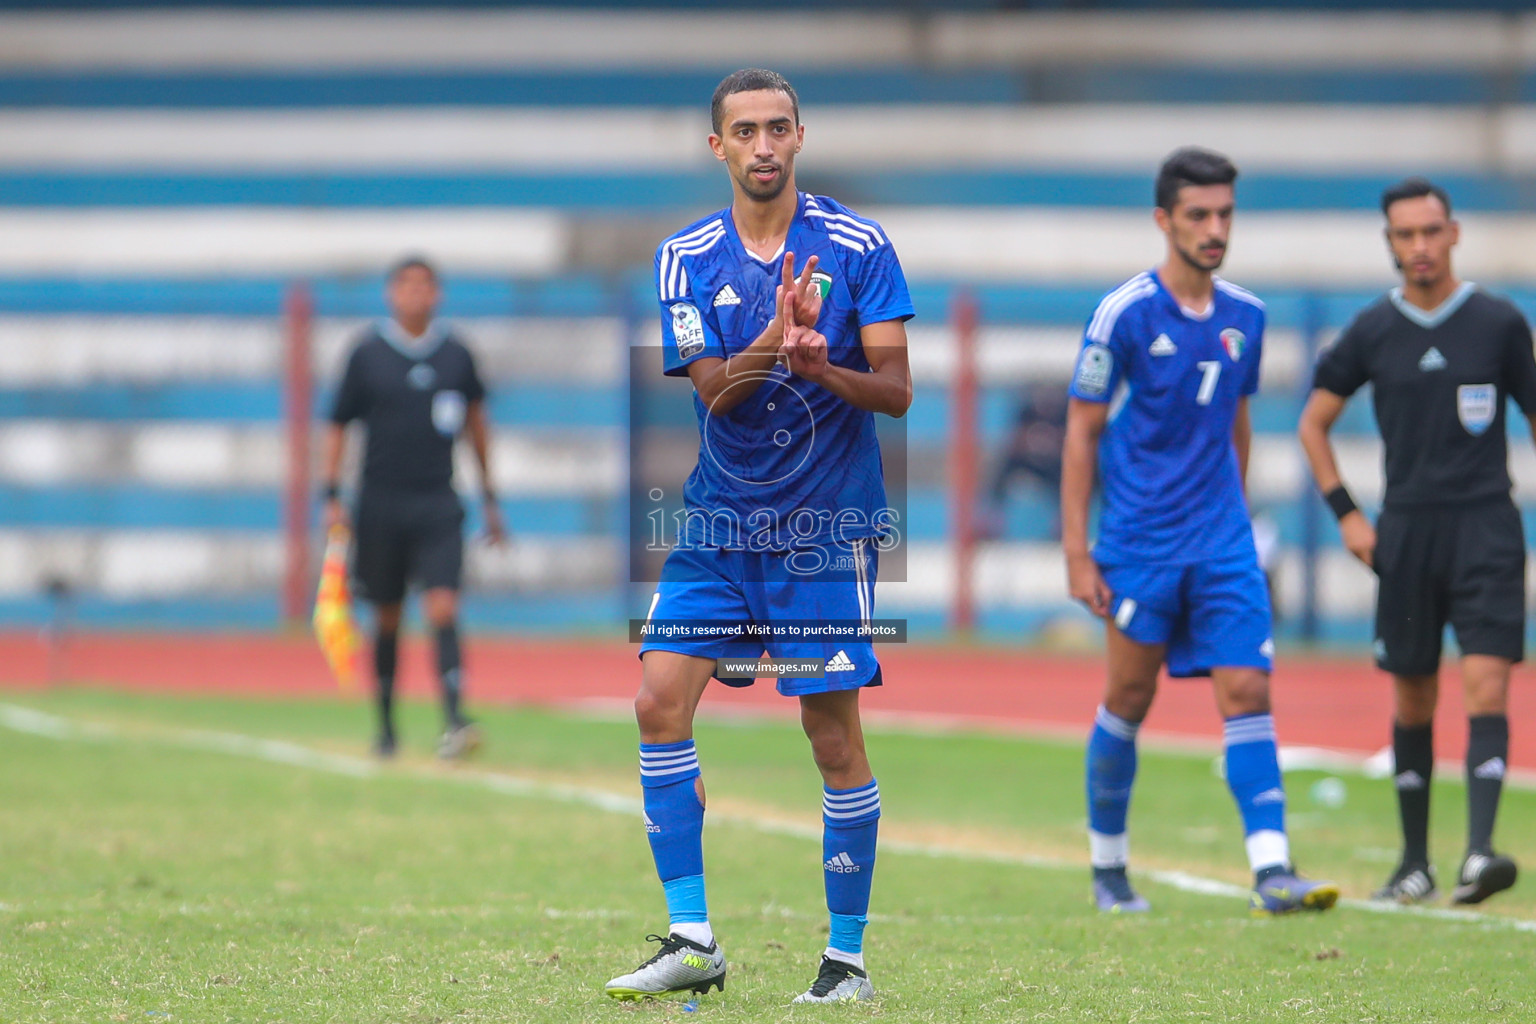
[
  {"x": 412, "y": 396},
  {"x": 1439, "y": 382}
]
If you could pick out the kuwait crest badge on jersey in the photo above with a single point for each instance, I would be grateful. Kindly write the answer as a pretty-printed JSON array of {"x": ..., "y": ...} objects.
[
  {"x": 1233, "y": 341},
  {"x": 823, "y": 284}
]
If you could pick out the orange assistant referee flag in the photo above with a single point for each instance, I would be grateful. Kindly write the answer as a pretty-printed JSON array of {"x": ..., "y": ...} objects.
[{"x": 334, "y": 627}]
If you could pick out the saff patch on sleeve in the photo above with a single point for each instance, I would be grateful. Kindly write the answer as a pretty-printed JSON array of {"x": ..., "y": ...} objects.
[
  {"x": 1093, "y": 370},
  {"x": 687, "y": 329}
]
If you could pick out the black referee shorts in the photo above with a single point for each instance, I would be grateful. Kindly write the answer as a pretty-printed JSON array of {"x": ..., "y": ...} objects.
[
  {"x": 403, "y": 537},
  {"x": 1459, "y": 564}
]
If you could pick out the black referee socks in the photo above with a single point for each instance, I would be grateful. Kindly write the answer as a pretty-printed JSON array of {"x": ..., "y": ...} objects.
[
  {"x": 1413, "y": 752},
  {"x": 1487, "y": 758},
  {"x": 448, "y": 671},
  {"x": 386, "y": 650}
]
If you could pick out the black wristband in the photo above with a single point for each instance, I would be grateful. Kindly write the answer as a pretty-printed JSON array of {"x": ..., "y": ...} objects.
[
  {"x": 330, "y": 492},
  {"x": 1340, "y": 502}
]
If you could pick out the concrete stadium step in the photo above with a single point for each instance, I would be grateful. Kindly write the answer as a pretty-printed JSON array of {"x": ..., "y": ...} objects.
[{"x": 843, "y": 33}]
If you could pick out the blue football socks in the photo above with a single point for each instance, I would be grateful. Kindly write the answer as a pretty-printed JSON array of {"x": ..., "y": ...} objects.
[
  {"x": 1111, "y": 776},
  {"x": 850, "y": 824},
  {"x": 1253, "y": 776},
  {"x": 674, "y": 823}
]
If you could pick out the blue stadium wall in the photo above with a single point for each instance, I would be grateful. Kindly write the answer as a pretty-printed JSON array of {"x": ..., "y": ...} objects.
[{"x": 140, "y": 437}]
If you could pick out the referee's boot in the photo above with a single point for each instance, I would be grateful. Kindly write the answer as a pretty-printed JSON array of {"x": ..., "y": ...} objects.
[
  {"x": 384, "y": 747},
  {"x": 1483, "y": 873},
  {"x": 459, "y": 740},
  {"x": 1410, "y": 883}
]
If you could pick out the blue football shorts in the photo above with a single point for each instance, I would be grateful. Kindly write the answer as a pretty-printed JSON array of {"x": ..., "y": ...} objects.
[
  {"x": 1211, "y": 614},
  {"x": 717, "y": 587}
]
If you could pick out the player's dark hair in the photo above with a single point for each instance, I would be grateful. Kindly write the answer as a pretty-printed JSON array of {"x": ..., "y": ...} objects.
[
  {"x": 1191, "y": 165},
  {"x": 1413, "y": 188},
  {"x": 750, "y": 80},
  {"x": 411, "y": 262}
]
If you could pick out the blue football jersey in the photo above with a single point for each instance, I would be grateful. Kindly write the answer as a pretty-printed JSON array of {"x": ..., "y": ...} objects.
[
  {"x": 1172, "y": 489},
  {"x": 793, "y": 464}
]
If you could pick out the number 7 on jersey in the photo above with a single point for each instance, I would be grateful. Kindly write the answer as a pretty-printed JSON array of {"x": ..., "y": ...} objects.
[{"x": 1211, "y": 372}]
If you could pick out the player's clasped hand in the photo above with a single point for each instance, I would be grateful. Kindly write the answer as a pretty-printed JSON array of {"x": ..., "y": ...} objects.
[
  {"x": 804, "y": 350},
  {"x": 1086, "y": 584},
  {"x": 796, "y": 301},
  {"x": 804, "y": 291}
]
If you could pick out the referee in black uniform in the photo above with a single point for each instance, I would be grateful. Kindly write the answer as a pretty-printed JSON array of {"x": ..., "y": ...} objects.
[
  {"x": 415, "y": 387},
  {"x": 1441, "y": 356}
]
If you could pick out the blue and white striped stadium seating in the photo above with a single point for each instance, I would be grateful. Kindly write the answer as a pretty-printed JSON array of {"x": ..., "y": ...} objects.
[{"x": 166, "y": 173}]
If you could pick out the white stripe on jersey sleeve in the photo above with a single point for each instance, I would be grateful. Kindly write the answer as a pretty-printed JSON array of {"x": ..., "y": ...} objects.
[
  {"x": 1116, "y": 302},
  {"x": 677, "y": 280},
  {"x": 1241, "y": 294},
  {"x": 668, "y": 248},
  {"x": 852, "y": 225},
  {"x": 680, "y": 272},
  {"x": 679, "y": 275},
  {"x": 852, "y": 243},
  {"x": 671, "y": 278}
]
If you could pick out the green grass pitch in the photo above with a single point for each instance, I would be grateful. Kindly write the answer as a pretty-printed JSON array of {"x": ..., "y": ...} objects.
[{"x": 199, "y": 859}]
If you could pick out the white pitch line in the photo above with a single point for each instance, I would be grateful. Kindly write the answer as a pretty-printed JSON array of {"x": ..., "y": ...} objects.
[
  {"x": 39, "y": 723},
  {"x": 1295, "y": 758}
]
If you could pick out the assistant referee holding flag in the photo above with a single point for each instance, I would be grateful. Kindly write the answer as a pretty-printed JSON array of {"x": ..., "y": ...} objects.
[
  {"x": 415, "y": 386},
  {"x": 1441, "y": 356}
]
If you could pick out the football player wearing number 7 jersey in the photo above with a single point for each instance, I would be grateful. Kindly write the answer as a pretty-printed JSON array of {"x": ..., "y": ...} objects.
[{"x": 1159, "y": 408}]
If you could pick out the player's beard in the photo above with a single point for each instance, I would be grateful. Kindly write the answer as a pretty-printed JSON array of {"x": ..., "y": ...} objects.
[
  {"x": 1198, "y": 262},
  {"x": 764, "y": 193},
  {"x": 1426, "y": 279}
]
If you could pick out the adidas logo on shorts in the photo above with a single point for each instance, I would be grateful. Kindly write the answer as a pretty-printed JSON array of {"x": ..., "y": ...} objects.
[{"x": 840, "y": 663}]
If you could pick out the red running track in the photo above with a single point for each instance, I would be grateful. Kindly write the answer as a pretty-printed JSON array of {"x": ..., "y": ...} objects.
[{"x": 1342, "y": 704}]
